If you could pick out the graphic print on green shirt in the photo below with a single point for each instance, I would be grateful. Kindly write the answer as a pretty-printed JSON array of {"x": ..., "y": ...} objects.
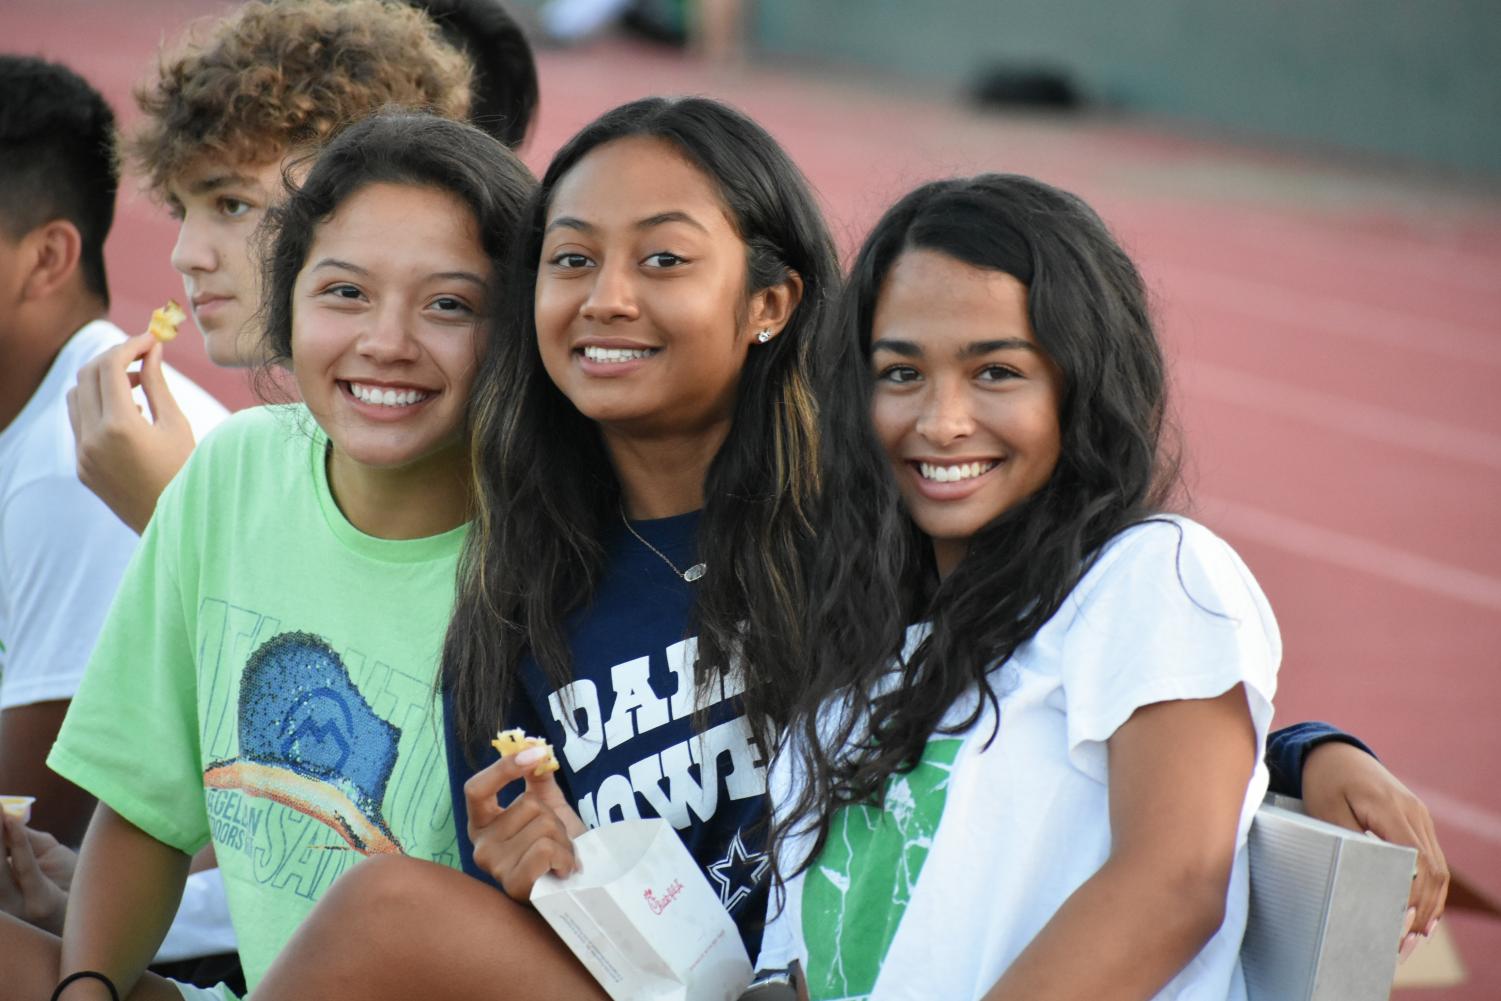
[
  {"x": 310, "y": 741},
  {"x": 857, "y": 890}
]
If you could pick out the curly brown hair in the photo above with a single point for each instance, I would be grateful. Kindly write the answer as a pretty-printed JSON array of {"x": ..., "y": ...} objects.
[{"x": 278, "y": 74}]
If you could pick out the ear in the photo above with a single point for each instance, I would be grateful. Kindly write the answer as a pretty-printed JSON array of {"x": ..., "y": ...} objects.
[
  {"x": 54, "y": 250},
  {"x": 772, "y": 307}
]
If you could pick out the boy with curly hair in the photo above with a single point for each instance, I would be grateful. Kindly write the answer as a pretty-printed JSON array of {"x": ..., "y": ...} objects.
[{"x": 228, "y": 110}]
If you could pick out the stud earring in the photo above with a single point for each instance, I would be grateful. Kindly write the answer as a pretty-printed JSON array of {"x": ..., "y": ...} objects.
[{"x": 764, "y": 336}]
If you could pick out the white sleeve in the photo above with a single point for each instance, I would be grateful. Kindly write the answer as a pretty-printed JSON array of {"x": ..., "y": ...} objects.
[
  {"x": 1170, "y": 612},
  {"x": 782, "y": 940},
  {"x": 780, "y": 943},
  {"x": 64, "y": 552},
  {"x": 203, "y": 411}
]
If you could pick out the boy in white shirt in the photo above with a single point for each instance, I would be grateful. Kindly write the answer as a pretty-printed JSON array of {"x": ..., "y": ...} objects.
[{"x": 61, "y": 550}]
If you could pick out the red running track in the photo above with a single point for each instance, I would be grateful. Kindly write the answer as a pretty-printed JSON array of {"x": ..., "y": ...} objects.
[{"x": 1336, "y": 344}]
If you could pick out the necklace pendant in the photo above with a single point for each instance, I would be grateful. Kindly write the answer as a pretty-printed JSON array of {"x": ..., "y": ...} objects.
[{"x": 694, "y": 572}]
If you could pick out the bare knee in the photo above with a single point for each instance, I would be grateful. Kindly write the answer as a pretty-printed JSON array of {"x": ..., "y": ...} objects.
[
  {"x": 361, "y": 932},
  {"x": 361, "y": 903}
]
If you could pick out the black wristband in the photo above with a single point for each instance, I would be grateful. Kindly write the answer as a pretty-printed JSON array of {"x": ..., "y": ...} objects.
[{"x": 57, "y": 992}]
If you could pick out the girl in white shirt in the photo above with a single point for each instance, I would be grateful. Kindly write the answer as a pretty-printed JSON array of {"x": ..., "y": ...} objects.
[{"x": 1048, "y": 795}]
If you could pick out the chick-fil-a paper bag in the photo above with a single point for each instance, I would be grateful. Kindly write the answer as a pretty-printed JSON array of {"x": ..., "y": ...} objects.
[{"x": 642, "y": 918}]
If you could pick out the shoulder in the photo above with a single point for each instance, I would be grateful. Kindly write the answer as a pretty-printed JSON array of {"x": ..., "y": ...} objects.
[
  {"x": 273, "y": 428},
  {"x": 254, "y": 441},
  {"x": 1169, "y": 580},
  {"x": 1167, "y": 612},
  {"x": 1169, "y": 553}
]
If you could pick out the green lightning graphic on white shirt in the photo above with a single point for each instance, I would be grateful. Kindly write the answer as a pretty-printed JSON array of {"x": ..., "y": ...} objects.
[{"x": 855, "y": 894}]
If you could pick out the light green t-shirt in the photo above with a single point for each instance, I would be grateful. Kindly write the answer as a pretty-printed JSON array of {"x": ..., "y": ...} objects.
[{"x": 265, "y": 681}]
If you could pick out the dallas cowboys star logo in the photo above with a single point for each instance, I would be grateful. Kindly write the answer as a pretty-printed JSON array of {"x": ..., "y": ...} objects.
[{"x": 738, "y": 874}]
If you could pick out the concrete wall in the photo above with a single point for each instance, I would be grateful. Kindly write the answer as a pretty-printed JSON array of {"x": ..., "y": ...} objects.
[{"x": 1419, "y": 80}]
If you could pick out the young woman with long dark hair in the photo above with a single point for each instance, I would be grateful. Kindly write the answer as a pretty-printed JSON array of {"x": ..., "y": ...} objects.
[
  {"x": 1043, "y": 790},
  {"x": 645, "y": 460}
]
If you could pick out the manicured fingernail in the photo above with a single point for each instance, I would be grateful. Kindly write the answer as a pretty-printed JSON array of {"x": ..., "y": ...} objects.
[
  {"x": 1409, "y": 943},
  {"x": 1412, "y": 915},
  {"x": 1433, "y": 924},
  {"x": 531, "y": 756}
]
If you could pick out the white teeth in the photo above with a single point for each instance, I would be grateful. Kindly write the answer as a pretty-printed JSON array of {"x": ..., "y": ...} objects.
[
  {"x": 609, "y": 355},
  {"x": 948, "y": 474},
  {"x": 387, "y": 397}
]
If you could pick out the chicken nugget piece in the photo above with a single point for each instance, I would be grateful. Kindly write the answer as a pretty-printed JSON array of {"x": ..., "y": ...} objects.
[
  {"x": 165, "y": 320},
  {"x": 509, "y": 742}
]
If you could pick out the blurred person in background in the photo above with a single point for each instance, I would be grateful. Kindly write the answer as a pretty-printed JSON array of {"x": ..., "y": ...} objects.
[
  {"x": 503, "y": 85},
  {"x": 712, "y": 28},
  {"x": 62, "y": 552}
]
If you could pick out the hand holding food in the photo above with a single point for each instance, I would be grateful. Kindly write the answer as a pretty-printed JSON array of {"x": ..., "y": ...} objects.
[
  {"x": 533, "y": 833},
  {"x": 124, "y": 458},
  {"x": 165, "y": 320},
  {"x": 35, "y": 873}
]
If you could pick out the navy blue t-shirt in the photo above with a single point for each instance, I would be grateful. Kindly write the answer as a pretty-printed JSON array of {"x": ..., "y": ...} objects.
[{"x": 624, "y": 731}]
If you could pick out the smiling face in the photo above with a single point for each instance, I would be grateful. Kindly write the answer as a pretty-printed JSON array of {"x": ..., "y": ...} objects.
[
  {"x": 641, "y": 308},
  {"x": 386, "y": 317},
  {"x": 965, "y": 401},
  {"x": 218, "y": 206}
]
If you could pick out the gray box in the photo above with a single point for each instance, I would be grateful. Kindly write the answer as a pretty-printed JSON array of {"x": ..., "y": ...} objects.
[{"x": 1327, "y": 907}]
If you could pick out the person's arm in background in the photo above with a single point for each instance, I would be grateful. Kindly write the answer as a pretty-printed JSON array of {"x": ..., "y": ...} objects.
[
  {"x": 124, "y": 458},
  {"x": 1341, "y": 782},
  {"x": 26, "y": 732}
]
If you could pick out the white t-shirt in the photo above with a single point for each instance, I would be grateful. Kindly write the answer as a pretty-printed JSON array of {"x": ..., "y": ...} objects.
[
  {"x": 978, "y": 847},
  {"x": 62, "y": 551}
]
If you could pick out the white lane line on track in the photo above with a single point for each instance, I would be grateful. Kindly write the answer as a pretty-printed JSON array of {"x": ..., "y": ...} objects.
[
  {"x": 1353, "y": 552},
  {"x": 1378, "y": 424},
  {"x": 1451, "y": 811},
  {"x": 1324, "y": 314}
]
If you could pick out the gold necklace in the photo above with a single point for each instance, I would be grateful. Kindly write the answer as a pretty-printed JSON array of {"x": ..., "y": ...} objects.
[{"x": 690, "y": 575}]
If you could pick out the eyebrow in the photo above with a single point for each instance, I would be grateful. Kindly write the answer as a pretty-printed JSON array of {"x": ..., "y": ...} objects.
[
  {"x": 974, "y": 349},
  {"x": 214, "y": 182},
  {"x": 464, "y": 276},
  {"x": 661, "y": 218}
]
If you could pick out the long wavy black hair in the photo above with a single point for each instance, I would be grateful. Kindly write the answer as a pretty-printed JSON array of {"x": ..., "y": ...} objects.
[
  {"x": 873, "y": 570},
  {"x": 547, "y": 497}
]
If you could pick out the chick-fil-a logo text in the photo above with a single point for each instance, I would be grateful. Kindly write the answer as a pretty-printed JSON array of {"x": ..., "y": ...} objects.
[{"x": 659, "y": 904}]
